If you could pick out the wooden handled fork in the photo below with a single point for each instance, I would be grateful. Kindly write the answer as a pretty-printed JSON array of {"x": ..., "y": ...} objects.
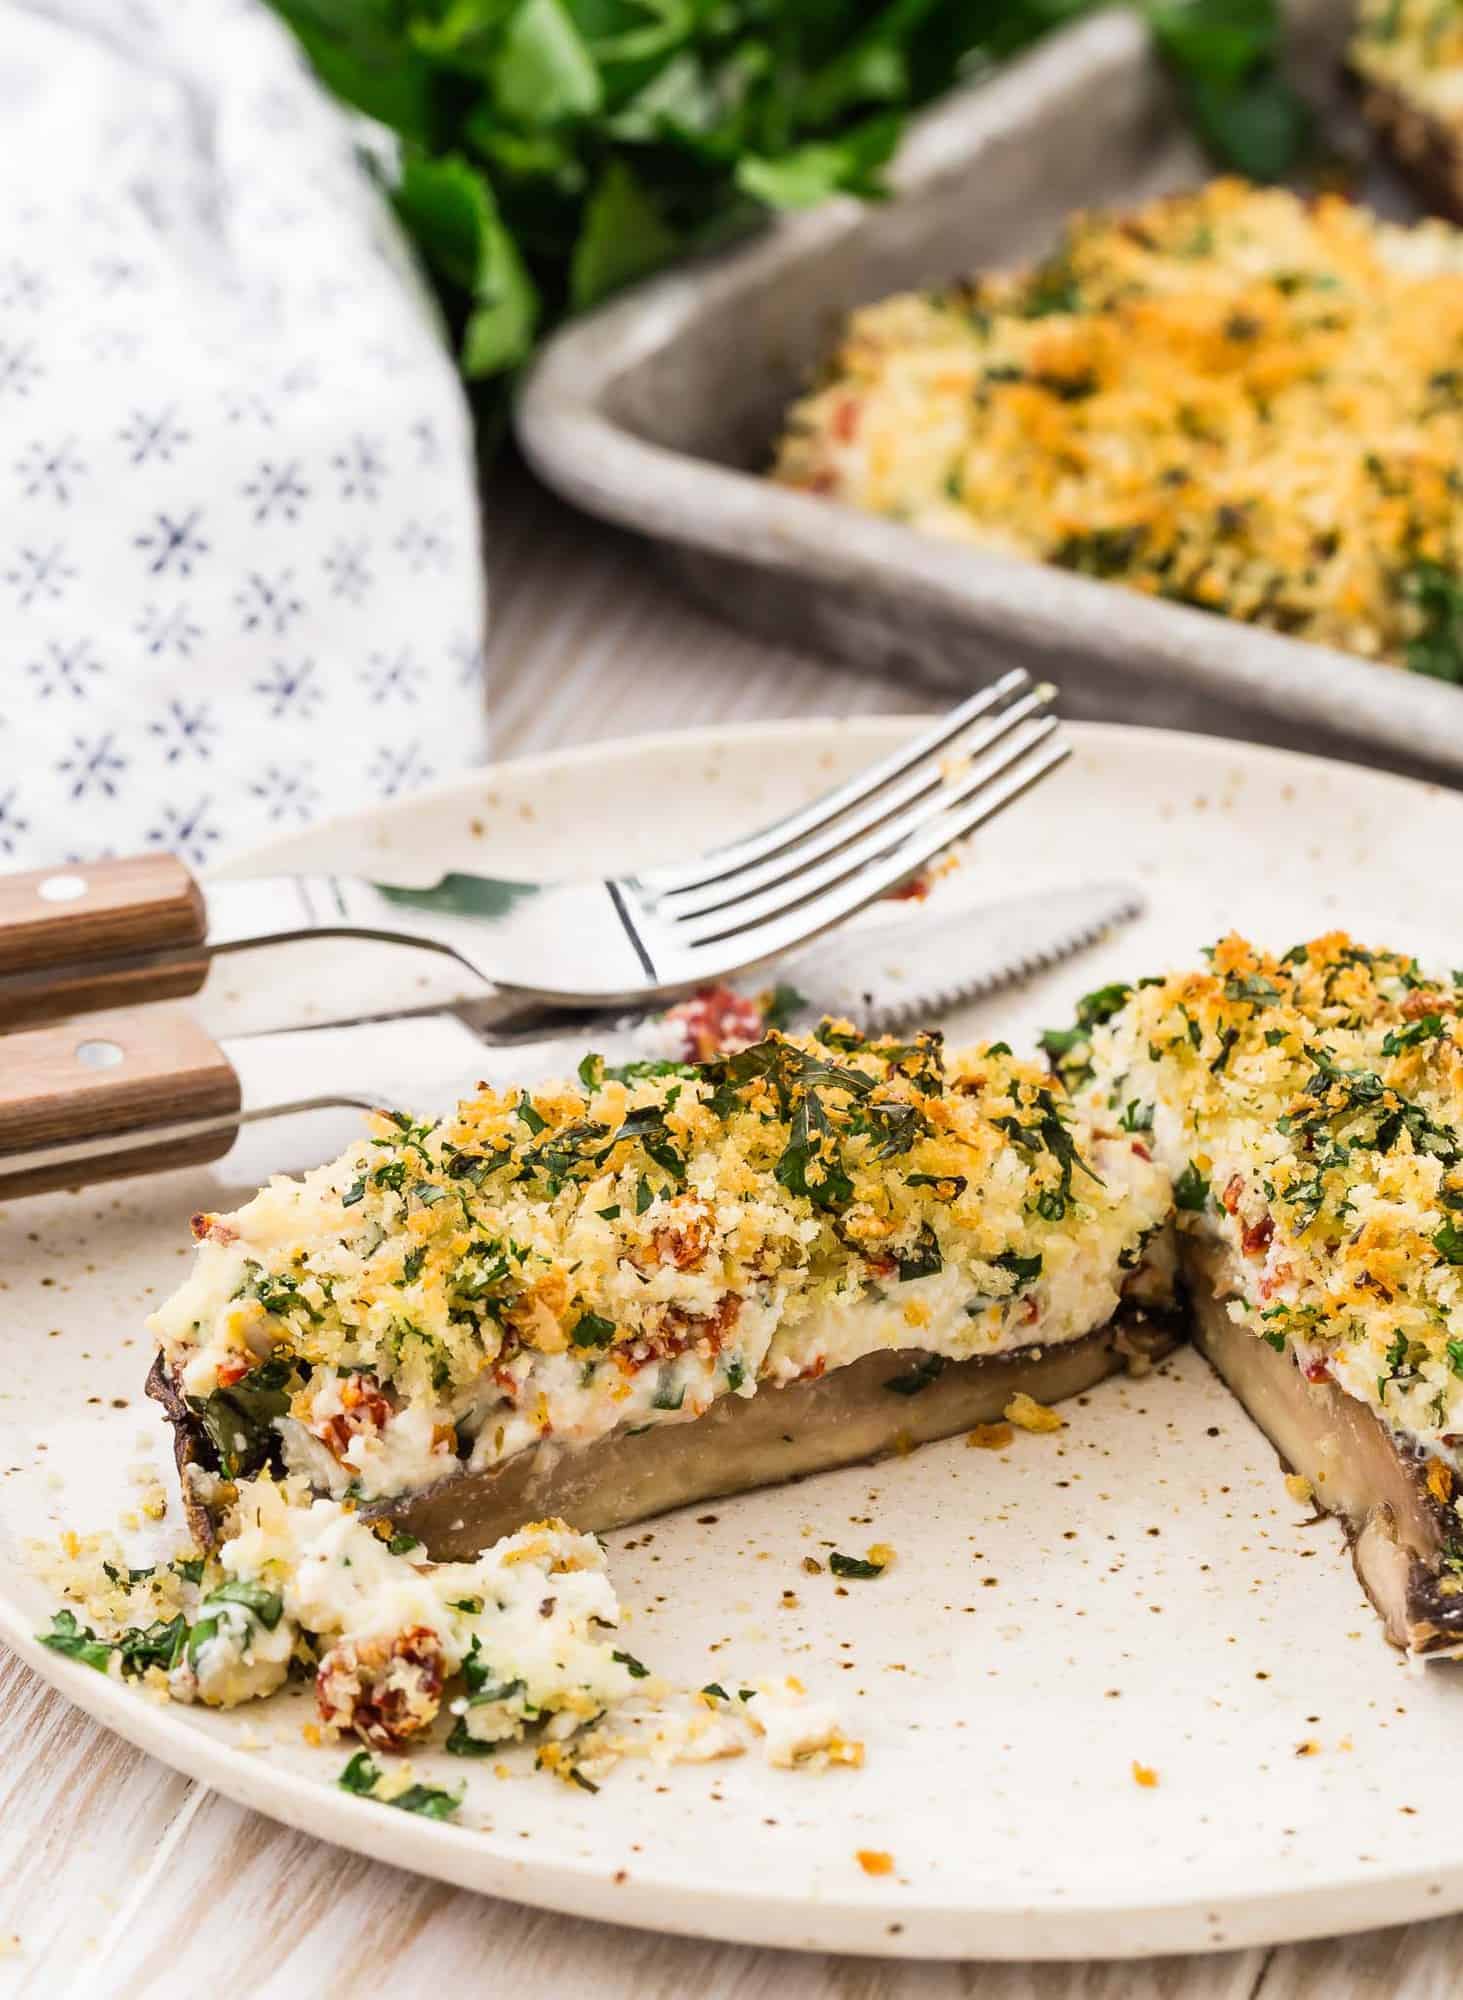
[{"x": 97, "y": 935}]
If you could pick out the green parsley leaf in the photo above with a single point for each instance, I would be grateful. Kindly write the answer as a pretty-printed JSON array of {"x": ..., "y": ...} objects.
[
  {"x": 1449, "y": 1243},
  {"x": 362, "y": 1776},
  {"x": 853, "y": 1566},
  {"x": 1429, "y": 1028},
  {"x": 923, "y": 1257},
  {"x": 592, "y": 1330},
  {"x": 535, "y": 1122},
  {"x": 784, "y": 1003},
  {"x": 77, "y": 1642}
]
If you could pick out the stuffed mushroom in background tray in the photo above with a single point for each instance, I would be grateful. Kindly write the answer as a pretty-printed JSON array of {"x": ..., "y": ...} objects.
[
  {"x": 1234, "y": 399},
  {"x": 1406, "y": 57}
]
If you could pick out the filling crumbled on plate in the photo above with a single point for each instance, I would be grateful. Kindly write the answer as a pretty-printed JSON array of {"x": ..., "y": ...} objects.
[
  {"x": 1235, "y": 399},
  {"x": 520, "y": 1642}
]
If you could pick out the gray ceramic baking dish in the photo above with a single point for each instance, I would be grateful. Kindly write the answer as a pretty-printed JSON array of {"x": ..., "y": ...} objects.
[{"x": 659, "y": 411}]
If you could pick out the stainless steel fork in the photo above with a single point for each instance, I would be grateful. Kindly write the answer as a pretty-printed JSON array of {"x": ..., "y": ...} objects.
[{"x": 83, "y": 937}]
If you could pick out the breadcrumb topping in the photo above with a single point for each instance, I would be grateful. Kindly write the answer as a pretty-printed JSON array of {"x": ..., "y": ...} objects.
[
  {"x": 1309, "y": 1110},
  {"x": 1233, "y": 398},
  {"x": 569, "y": 1260}
]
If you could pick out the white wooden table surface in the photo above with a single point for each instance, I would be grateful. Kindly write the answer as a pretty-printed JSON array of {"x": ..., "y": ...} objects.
[{"x": 119, "y": 1877}]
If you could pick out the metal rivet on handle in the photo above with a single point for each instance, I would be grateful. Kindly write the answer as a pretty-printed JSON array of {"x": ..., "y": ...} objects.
[
  {"x": 61, "y": 888},
  {"x": 99, "y": 1055}
]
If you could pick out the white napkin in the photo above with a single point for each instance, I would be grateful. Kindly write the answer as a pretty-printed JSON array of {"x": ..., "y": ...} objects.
[{"x": 240, "y": 573}]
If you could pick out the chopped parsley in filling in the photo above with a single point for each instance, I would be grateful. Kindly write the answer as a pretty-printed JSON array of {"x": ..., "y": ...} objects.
[
  {"x": 573, "y": 1259},
  {"x": 1309, "y": 1110}
]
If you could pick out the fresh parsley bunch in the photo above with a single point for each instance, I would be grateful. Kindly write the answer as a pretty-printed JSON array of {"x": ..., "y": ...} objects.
[{"x": 554, "y": 150}]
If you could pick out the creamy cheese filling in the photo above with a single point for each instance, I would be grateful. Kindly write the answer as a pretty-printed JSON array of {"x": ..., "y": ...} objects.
[
  {"x": 521, "y": 1641},
  {"x": 578, "y": 1398},
  {"x": 533, "y": 1609}
]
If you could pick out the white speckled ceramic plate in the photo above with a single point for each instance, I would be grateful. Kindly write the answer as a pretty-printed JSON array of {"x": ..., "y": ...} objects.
[{"x": 1139, "y": 1588}]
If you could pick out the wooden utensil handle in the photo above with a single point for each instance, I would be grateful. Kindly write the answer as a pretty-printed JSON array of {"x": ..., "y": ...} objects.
[
  {"x": 114, "y": 1074},
  {"x": 71, "y": 936}
]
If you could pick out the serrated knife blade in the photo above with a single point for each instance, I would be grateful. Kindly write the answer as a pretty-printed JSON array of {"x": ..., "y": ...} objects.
[
  {"x": 882, "y": 976},
  {"x": 886, "y": 978}
]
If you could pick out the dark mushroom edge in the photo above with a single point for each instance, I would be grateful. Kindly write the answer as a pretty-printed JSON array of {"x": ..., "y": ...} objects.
[{"x": 882, "y": 1403}]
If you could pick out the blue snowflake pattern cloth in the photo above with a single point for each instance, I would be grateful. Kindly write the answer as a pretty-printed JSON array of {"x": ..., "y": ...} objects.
[{"x": 241, "y": 582}]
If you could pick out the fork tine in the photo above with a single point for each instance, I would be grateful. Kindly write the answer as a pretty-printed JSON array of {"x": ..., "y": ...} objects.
[
  {"x": 769, "y": 840},
  {"x": 923, "y": 782},
  {"x": 740, "y": 914},
  {"x": 798, "y": 926}
]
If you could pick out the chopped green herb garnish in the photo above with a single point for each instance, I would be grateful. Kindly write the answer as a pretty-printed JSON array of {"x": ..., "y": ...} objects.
[
  {"x": 923, "y": 1257},
  {"x": 784, "y": 1003},
  {"x": 1448, "y": 1243},
  {"x": 853, "y": 1566},
  {"x": 1429, "y": 1028},
  {"x": 592, "y": 1330},
  {"x": 947, "y": 1187},
  {"x": 77, "y": 1642},
  {"x": 362, "y": 1777}
]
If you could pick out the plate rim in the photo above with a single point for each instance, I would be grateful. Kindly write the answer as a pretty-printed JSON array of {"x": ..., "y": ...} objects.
[{"x": 876, "y": 724}]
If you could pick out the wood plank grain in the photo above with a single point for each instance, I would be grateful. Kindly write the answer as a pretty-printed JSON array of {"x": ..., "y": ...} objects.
[
  {"x": 80, "y": 1812},
  {"x": 340, "y": 1928},
  {"x": 73, "y": 917},
  {"x": 108, "y": 1075},
  {"x": 1418, "y": 1961}
]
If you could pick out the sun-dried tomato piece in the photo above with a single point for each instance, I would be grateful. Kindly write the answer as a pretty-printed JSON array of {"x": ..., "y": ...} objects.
[
  {"x": 1256, "y": 1236},
  {"x": 386, "y": 1690},
  {"x": 214, "y": 1227},
  {"x": 683, "y": 1237},
  {"x": 364, "y": 1407},
  {"x": 716, "y": 1022}
]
